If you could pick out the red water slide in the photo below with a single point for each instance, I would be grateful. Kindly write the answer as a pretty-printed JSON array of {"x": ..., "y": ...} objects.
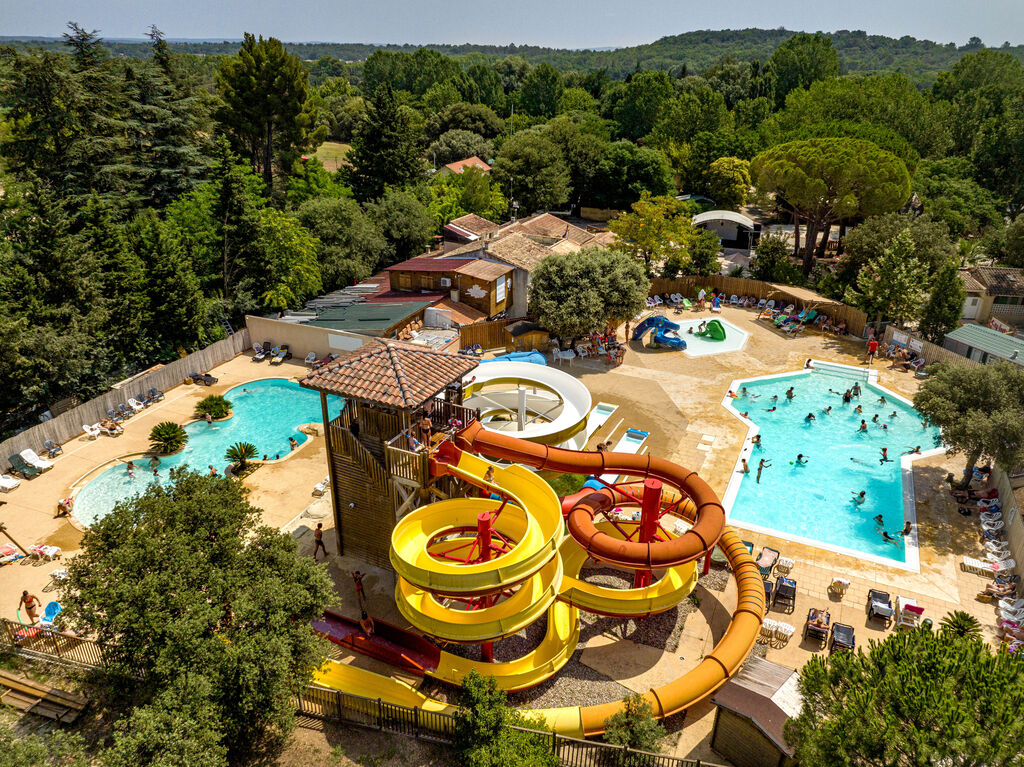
[{"x": 708, "y": 514}]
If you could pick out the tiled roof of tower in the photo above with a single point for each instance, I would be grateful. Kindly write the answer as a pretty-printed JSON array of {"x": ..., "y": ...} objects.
[
  {"x": 474, "y": 224},
  {"x": 391, "y": 373}
]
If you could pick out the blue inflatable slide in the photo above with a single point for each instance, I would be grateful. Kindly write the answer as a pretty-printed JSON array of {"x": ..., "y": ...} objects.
[
  {"x": 662, "y": 328},
  {"x": 535, "y": 357}
]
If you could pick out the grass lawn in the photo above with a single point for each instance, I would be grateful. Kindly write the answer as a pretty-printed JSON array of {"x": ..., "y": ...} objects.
[
  {"x": 332, "y": 154},
  {"x": 567, "y": 484}
]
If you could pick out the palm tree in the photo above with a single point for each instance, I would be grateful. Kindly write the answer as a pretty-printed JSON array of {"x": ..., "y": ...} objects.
[
  {"x": 167, "y": 437},
  {"x": 961, "y": 624},
  {"x": 241, "y": 453}
]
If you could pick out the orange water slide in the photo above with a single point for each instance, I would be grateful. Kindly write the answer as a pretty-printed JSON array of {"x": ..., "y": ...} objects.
[{"x": 708, "y": 516}]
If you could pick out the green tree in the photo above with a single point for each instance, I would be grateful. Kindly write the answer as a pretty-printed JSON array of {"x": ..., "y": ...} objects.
[
  {"x": 997, "y": 155},
  {"x": 385, "y": 150},
  {"x": 918, "y": 697},
  {"x": 576, "y": 293},
  {"x": 483, "y": 734},
  {"x": 728, "y": 181},
  {"x": 979, "y": 88},
  {"x": 290, "y": 267},
  {"x": 645, "y": 97},
  {"x": 576, "y": 100},
  {"x": 440, "y": 95},
  {"x": 57, "y": 748},
  {"x": 960, "y": 624},
  {"x": 656, "y": 229},
  {"x": 405, "y": 224},
  {"x": 626, "y": 172},
  {"x": 979, "y": 410},
  {"x": 531, "y": 171},
  {"x": 634, "y": 727},
  {"x": 932, "y": 245},
  {"x": 583, "y": 141},
  {"x": 182, "y": 580},
  {"x": 772, "y": 262},
  {"x": 1013, "y": 243},
  {"x": 471, "y": 191},
  {"x": 475, "y": 118},
  {"x": 167, "y": 437},
  {"x": 802, "y": 60},
  {"x": 264, "y": 89},
  {"x": 241, "y": 453},
  {"x": 891, "y": 285},
  {"x": 950, "y": 195},
  {"x": 458, "y": 144},
  {"x": 349, "y": 244},
  {"x": 827, "y": 180},
  {"x": 702, "y": 252},
  {"x": 945, "y": 303},
  {"x": 179, "y": 727},
  {"x": 541, "y": 90}
]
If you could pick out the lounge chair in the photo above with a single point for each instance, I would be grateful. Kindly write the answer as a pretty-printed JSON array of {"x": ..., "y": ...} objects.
[
  {"x": 784, "y": 632},
  {"x": 880, "y": 606},
  {"x": 53, "y": 609},
  {"x": 9, "y": 554},
  {"x": 784, "y": 565},
  {"x": 768, "y": 588},
  {"x": 33, "y": 459},
  {"x": 1011, "y": 605},
  {"x": 144, "y": 399},
  {"x": 687, "y": 303},
  {"x": 908, "y": 614},
  {"x": 114, "y": 416},
  {"x": 981, "y": 567},
  {"x": 795, "y": 329},
  {"x": 155, "y": 395},
  {"x": 48, "y": 553},
  {"x": 766, "y": 561},
  {"x": 761, "y": 303},
  {"x": 785, "y": 594},
  {"x": 8, "y": 483},
  {"x": 815, "y": 630},
  {"x": 204, "y": 378},
  {"x": 311, "y": 359},
  {"x": 124, "y": 410},
  {"x": 321, "y": 487},
  {"x": 115, "y": 432},
  {"x": 52, "y": 448},
  {"x": 135, "y": 405},
  {"x": 92, "y": 432},
  {"x": 734, "y": 299},
  {"x": 280, "y": 355},
  {"x": 842, "y": 638},
  {"x": 195, "y": 378},
  {"x": 20, "y": 466},
  {"x": 260, "y": 352},
  {"x": 809, "y": 317}
]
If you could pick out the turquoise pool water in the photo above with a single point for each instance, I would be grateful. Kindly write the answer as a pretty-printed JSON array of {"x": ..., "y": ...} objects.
[
  {"x": 814, "y": 501},
  {"x": 265, "y": 413},
  {"x": 698, "y": 346}
]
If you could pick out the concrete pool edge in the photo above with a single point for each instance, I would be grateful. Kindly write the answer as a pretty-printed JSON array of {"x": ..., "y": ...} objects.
[{"x": 912, "y": 561}]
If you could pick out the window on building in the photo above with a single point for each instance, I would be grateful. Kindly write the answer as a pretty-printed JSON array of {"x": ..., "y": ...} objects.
[{"x": 499, "y": 292}]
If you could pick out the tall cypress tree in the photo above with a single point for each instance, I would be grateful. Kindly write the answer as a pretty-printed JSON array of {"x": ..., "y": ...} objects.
[
  {"x": 945, "y": 303},
  {"x": 385, "y": 150}
]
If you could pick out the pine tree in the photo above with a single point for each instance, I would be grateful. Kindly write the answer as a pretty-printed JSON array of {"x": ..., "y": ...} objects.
[
  {"x": 385, "y": 150},
  {"x": 945, "y": 303}
]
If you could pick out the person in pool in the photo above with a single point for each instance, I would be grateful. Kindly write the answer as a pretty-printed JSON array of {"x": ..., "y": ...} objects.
[
  {"x": 789, "y": 393},
  {"x": 855, "y": 390},
  {"x": 913, "y": 450},
  {"x": 756, "y": 441},
  {"x": 761, "y": 467},
  {"x": 810, "y": 417},
  {"x": 859, "y": 498},
  {"x": 879, "y": 521},
  {"x": 800, "y": 460},
  {"x": 771, "y": 410},
  {"x": 847, "y": 397},
  {"x": 882, "y": 400},
  {"x": 828, "y": 410},
  {"x": 774, "y": 399},
  {"x": 894, "y": 414},
  {"x": 745, "y": 469},
  {"x": 863, "y": 425},
  {"x": 874, "y": 418},
  {"x": 744, "y": 391},
  {"x": 858, "y": 410},
  {"x": 888, "y": 538},
  {"x": 885, "y": 456}
]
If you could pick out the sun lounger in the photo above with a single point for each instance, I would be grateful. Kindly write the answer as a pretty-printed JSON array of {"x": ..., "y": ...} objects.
[
  {"x": 761, "y": 304},
  {"x": 785, "y": 595},
  {"x": 260, "y": 351},
  {"x": 1012, "y": 605},
  {"x": 20, "y": 466},
  {"x": 91, "y": 431},
  {"x": 766, "y": 561},
  {"x": 908, "y": 614},
  {"x": 997, "y": 525},
  {"x": 113, "y": 415},
  {"x": 842, "y": 638},
  {"x": 734, "y": 299},
  {"x": 982, "y": 567},
  {"x": 32, "y": 459},
  {"x": 9, "y": 554},
  {"x": 124, "y": 410},
  {"x": 145, "y": 400},
  {"x": 880, "y": 606},
  {"x": 155, "y": 395},
  {"x": 8, "y": 483},
  {"x": 48, "y": 553},
  {"x": 53, "y": 609},
  {"x": 52, "y": 448},
  {"x": 321, "y": 487},
  {"x": 310, "y": 359},
  {"x": 135, "y": 405},
  {"x": 280, "y": 355},
  {"x": 817, "y": 625}
]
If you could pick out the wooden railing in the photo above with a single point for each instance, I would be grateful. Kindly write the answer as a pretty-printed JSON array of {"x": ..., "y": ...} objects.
[
  {"x": 48, "y": 644},
  {"x": 343, "y": 443},
  {"x": 407, "y": 465},
  {"x": 449, "y": 414}
]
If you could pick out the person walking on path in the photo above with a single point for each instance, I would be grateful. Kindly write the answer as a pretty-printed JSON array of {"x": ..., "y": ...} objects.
[
  {"x": 872, "y": 350},
  {"x": 357, "y": 577},
  {"x": 31, "y": 604},
  {"x": 318, "y": 540}
]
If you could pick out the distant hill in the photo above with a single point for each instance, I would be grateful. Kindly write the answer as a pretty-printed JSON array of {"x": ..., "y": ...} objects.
[{"x": 858, "y": 52}]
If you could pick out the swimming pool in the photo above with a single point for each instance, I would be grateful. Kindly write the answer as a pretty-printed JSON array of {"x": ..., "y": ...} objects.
[
  {"x": 698, "y": 346},
  {"x": 265, "y": 413},
  {"x": 814, "y": 503}
]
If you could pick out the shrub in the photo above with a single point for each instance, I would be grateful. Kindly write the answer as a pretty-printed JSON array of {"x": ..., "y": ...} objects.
[
  {"x": 215, "y": 406},
  {"x": 241, "y": 453},
  {"x": 167, "y": 437},
  {"x": 635, "y": 727},
  {"x": 961, "y": 624}
]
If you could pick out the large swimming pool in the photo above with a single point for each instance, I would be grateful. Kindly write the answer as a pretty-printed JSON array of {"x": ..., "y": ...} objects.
[
  {"x": 814, "y": 502},
  {"x": 265, "y": 413}
]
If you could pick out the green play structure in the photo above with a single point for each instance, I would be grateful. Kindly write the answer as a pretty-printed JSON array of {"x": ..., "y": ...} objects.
[{"x": 714, "y": 331}]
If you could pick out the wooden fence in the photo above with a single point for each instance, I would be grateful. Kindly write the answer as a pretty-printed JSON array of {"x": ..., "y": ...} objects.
[
  {"x": 490, "y": 335},
  {"x": 689, "y": 286},
  {"x": 49, "y": 645},
  {"x": 931, "y": 352},
  {"x": 67, "y": 425}
]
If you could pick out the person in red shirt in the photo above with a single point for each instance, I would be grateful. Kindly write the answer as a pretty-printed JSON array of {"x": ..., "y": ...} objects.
[{"x": 872, "y": 350}]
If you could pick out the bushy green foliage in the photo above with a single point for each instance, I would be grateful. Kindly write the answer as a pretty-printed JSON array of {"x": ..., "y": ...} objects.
[
  {"x": 167, "y": 437},
  {"x": 980, "y": 411},
  {"x": 241, "y": 453},
  {"x": 772, "y": 262},
  {"x": 205, "y": 618},
  {"x": 656, "y": 229},
  {"x": 635, "y": 727},
  {"x": 960, "y": 624},
  {"x": 483, "y": 734},
  {"x": 945, "y": 303},
  {"x": 892, "y": 284},
  {"x": 533, "y": 171},
  {"x": 214, "y": 405},
  {"x": 918, "y": 697}
]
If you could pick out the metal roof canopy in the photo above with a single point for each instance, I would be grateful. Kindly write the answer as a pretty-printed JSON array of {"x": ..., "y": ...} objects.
[{"x": 724, "y": 215}]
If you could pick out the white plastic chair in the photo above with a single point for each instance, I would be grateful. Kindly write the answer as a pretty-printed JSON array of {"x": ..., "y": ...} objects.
[
  {"x": 91, "y": 431},
  {"x": 784, "y": 565},
  {"x": 998, "y": 525},
  {"x": 784, "y": 632},
  {"x": 768, "y": 628},
  {"x": 135, "y": 405},
  {"x": 32, "y": 459},
  {"x": 734, "y": 299},
  {"x": 8, "y": 483}
]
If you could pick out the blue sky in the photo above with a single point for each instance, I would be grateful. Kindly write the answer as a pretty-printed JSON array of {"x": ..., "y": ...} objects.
[{"x": 559, "y": 23}]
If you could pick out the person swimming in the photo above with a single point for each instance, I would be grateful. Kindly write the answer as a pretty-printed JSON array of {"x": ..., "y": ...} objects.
[
  {"x": 756, "y": 441},
  {"x": 863, "y": 425},
  {"x": 882, "y": 400},
  {"x": 828, "y": 410},
  {"x": 874, "y": 418},
  {"x": 810, "y": 417},
  {"x": 885, "y": 456},
  {"x": 771, "y": 410},
  {"x": 847, "y": 397},
  {"x": 774, "y": 399},
  {"x": 894, "y": 414},
  {"x": 859, "y": 498},
  {"x": 913, "y": 451},
  {"x": 800, "y": 460},
  {"x": 888, "y": 538},
  {"x": 879, "y": 521},
  {"x": 858, "y": 410}
]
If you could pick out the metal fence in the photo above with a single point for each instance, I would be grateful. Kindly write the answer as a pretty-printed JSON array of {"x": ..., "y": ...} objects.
[{"x": 69, "y": 424}]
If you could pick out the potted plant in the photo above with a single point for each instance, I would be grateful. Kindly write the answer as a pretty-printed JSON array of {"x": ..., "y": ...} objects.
[
  {"x": 240, "y": 454},
  {"x": 167, "y": 437},
  {"x": 215, "y": 406}
]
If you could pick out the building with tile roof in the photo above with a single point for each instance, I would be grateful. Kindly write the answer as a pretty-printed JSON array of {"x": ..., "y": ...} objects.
[
  {"x": 460, "y": 166},
  {"x": 993, "y": 291},
  {"x": 483, "y": 284}
]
